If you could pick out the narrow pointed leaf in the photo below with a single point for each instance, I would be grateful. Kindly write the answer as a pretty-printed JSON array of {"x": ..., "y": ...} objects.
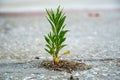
[
  {"x": 47, "y": 40},
  {"x": 62, "y": 46}
]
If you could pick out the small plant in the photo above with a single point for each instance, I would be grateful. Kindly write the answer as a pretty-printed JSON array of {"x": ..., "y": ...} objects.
[{"x": 55, "y": 39}]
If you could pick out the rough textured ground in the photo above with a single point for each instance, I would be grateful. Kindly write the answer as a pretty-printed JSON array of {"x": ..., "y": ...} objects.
[
  {"x": 65, "y": 65},
  {"x": 91, "y": 39}
]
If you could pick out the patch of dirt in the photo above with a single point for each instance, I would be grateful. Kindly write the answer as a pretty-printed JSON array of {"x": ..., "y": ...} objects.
[{"x": 65, "y": 65}]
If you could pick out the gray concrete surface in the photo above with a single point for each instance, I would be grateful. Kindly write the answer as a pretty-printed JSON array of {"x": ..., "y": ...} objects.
[{"x": 21, "y": 39}]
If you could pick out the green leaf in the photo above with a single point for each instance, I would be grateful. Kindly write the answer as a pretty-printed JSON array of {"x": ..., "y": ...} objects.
[
  {"x": 62, "y": 40},
  {"x": 50, "y": 37},
  {"x": 52, "y": 25},
  {"x": 47, "y": 50},
  {"x": 58, "y": 15},
  {"x": 48, "y": 46},
  {"x": 58, "y": 9},
  {"x": 62, "y": 46},
  {"x": 53, "y": 15},
  {"x": 61, "y": 22},
  {"x": 47, "y": 40},
  {"x": 63, "y": 26},
  {"x": 62, "y": 33},
  {"x": 49, "y": 14}
]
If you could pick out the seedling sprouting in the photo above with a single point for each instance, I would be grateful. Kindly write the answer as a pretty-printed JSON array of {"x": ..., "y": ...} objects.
[{"x": 56, "y": 37}]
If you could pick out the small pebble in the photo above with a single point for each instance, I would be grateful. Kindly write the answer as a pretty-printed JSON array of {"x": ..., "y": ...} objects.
[
  {"x": 77, "y": 74},
  {"x": 37, "y": 58},
  {"x": 118, "y": 64},
  {"x": 104, "y": 74},
  {"x": 71, "y": 78}
]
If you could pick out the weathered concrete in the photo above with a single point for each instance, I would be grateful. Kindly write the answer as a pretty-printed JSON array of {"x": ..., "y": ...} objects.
[{"x": 89, "y": 39}]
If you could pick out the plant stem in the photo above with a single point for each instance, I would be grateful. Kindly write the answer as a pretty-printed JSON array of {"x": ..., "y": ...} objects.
[{"x": 55, "y": 59}]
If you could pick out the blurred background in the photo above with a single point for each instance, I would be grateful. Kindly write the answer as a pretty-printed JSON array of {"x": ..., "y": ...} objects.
[
  {"x": 94, "y": 28},
  {"x": 38, "y": 5}
]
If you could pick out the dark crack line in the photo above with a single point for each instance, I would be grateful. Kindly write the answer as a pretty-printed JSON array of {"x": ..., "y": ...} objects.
[{"x": 105, "y": 59}]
